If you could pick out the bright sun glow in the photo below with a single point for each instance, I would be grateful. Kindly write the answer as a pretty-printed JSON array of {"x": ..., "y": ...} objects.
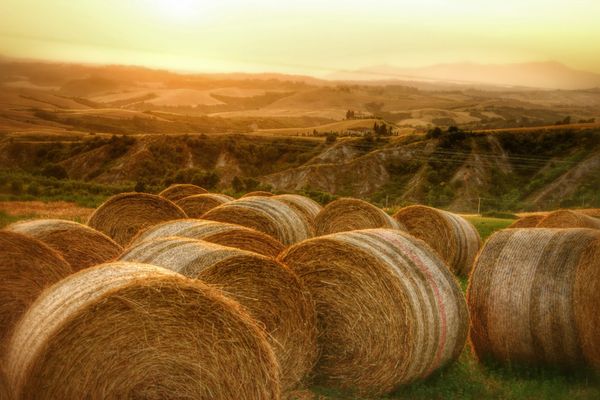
[{"x": 178, "y": 10}]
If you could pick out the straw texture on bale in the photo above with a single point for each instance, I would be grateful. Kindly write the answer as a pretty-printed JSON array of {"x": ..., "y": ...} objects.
[
  {"x": 389, "y": 311},
  {"x": 352, "y": 214},
  {"x": 197, "y": 205},
  {"x": 222, "y": 233},
  {"x": 122, "y": 216},
  {"x": 266, "y": 215},
  {"x": 569, "y": 219},
  {"x": 27, "y": 267},
  {"x": 180, "y": 190},
  {"x": 454, "y": 238},
  {"x": 258, "y": 193},
  {"x": 270, "y": 291},
  {"x": 5, "y": 393},
  {"x": 534, "y": 296},
  {"x": 80, "y": 245},
  {"x": 307, "y": 206},
  {"x": 135, "y": 331},
  {"x": 529, "y": 221}
]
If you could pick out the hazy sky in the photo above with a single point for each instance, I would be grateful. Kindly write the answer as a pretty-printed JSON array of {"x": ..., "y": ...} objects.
[{"x": 309, "y": 36}]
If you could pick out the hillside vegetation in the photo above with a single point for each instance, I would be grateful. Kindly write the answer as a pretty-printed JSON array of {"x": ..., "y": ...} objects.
[{"x": 444, "y": 168}]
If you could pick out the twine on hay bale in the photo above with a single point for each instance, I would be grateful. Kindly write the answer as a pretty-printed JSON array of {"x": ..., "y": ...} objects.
[
  {"x": 454, "y": 238},
  {"x": 258, "y": 193},
  {"x": 222, "y": 233},
  {"x": 269, "y": 290},
  {"x": 80, "y": 245},
  {"x": 534, "y": 296},
  {"x": 122, "y": 216},
  {"x": 389, "y": 311},
  {"x": 352, "y": 214},
  {"x": 135, "y": 331},
  {"x": 197, "y": 205},
  {"x": 266, "y": 215},
  {"x": 530, "y": 221},
  {"x": 569, "y": 219},
  {"x": 180, "y": 190},
  {"x": 307, "y": 206},
  {"x": 27, "y": 267}
]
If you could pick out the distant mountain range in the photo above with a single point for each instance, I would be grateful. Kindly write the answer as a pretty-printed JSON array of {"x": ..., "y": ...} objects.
[{"x": 544, "y": 75}]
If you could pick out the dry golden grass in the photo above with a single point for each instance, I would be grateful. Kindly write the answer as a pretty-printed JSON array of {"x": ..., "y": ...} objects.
[{"x": 40, "y": 209}]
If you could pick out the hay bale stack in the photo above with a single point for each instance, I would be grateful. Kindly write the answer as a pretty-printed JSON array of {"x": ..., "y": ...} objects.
[
  {"x": 307, "y": 206},
  {"x": 122, "y": 216},
  {"x": 197, "y": 205},
  {"x": 266, "y": 215},
  {"x": 180, "y": 190},
  {"x": 352, "y": 214},
  {"x": 388, "y": 309},
  {"x": 27, "y": 267},
  {"x": 222, "y": 233},
  {"x": 534, "y": 296},
  {"x": 270, "y": 291},
  {"x": 569, "y": 219},
  {"x": 530, "y": 221},
  {"x": 454, "y": 238},
  {"x": 80, "y": 245},
  {"x": 258, "y": 193},
  {"x": 134, "y": 331}
]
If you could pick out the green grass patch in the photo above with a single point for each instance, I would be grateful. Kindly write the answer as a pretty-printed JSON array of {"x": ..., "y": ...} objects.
[{"x": 487, "y": 225}]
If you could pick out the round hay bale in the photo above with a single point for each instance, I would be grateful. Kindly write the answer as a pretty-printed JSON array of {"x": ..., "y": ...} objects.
[
  {"x": 27, "y": 267},
  {"x": 454, "y": 238},
  {"x": 135, "y": 331},
  {"x": 568, "y": 219},
  {"x": 270, "y": 291},
  {"x": 266, "y": 215},
  {"x": 529, "y": 221},
  {"x": 122, "y": 216},
  {"x": 307, "y": 206},
  {"x": 180, "y": 190},
  {"x": 352, "y": 214},
  {"x": 258, "y": 193},
  {"x": 388, "y": 309},
  {"x": 222, "y": 233},
  {"x": 534, "y": 296},
  {"x": 197, "y": 205},
  {"x": 80, "y": 245}
]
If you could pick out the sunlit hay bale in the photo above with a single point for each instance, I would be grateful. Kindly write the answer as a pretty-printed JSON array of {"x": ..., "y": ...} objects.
[
  {"x": 80, "y": 245},
  {"x": 258, "y": 193},
  {"x": 197, "y": 205},
  {"x": 352, "y": 214},
  {"x": 266, "y": 215},
  {"x": 122, "y": 216},
  {"x": 569, "y": 219},
  {"x": 269, "y": 290},
  {"x": 135, "y": 331},
  {"x": 222, "y": 233},
  {"x": 454, "y": 238},
  {"x": 180, "y": 190},
  {"x": 307, "y": 206},
  {"x": 529, "y": 221},
  {"x": 389, "y": 311},
  {"x": 534, "y": 296},
  {"x": 27, "y": 267}
]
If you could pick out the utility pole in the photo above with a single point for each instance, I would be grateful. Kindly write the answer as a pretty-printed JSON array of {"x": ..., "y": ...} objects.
[{"x": 479, "y": 206}]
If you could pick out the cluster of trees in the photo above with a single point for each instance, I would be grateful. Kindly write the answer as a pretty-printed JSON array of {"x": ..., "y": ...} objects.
[{"x": 382, "y": 130}]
